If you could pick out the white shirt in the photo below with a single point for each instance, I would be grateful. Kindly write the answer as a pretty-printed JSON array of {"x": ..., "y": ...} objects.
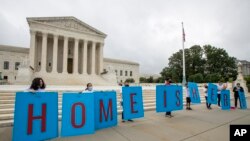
[
  {"x": 206, "y": 91},
  {"x": 87, "y": 91},
  {"x": 220, "y": 87},
  {"x": 31, "y": 90},
  {"x": 188, "y": 94}
]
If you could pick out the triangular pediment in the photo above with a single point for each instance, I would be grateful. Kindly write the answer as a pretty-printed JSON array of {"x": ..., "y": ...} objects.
[{"x": 71, "y": 23}]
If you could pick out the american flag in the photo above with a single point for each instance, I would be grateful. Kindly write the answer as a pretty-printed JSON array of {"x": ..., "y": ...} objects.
[{"x": 183, "y": 33}]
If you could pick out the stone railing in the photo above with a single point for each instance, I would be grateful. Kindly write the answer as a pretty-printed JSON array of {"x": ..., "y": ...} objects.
[{"x": 3, "y": 82}]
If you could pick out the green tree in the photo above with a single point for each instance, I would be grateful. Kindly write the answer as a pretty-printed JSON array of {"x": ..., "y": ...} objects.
[
  {"x": 159, "y": 80},
  {"x": 130, "y": 80},
  {"x": 196, "y": 78},
  {"x": 143, "y": 80},
  {"x": 150, "y": 79},
  {"x": 194, "y": 63},
  {"x": 202, "y": 64},
  {"x": 218, "y": 61}
]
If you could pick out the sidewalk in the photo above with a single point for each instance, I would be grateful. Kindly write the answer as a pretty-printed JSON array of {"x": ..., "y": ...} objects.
[{"x": 198, "y": 124}]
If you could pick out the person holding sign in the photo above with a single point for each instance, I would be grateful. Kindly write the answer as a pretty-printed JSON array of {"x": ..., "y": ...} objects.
[
  {"x": 168, "y": 82},
  {"x": 206, "y": 97},
  {"x": 36, "y": 113},
  {"x": 126, "y": 84},
  {"x": 188, "y": 99},
  {"x": 220, "y": 87},
  {"x": 89, "y": 88},
  {"x": 37, "y": 85},
  {"x": 236, "y": 91}
]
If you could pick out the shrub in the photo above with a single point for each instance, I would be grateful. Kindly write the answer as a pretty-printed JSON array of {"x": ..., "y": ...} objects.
[
  {"x": 213, "y": 78},
  {"x": 198, "y": 78},
  {"x": 130, "y": 80}
]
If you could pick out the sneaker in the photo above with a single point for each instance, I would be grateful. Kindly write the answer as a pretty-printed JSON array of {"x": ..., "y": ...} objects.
[
  {"x": 123, "y": 120},
  {"x": 130, "y": 120},
  {"x": 190, "y": 108}
]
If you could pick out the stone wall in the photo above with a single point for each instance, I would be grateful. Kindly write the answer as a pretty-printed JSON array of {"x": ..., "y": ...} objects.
[
  {"x": 12, "y": 58},
  {"x": 122, "y": 69}
]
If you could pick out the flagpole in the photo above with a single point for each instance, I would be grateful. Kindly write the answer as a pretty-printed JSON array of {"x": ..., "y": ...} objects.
[{"x": 183, "y": 57}]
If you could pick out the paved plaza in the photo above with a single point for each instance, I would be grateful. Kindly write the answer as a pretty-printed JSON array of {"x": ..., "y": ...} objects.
[{"x": 198, "y": 124}]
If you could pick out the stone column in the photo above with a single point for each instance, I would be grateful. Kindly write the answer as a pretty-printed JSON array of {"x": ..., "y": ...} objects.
[
  {"x": 65, "y": 55},
  {"x": 32, "y": 48},
  {"x": 85, "y": 58},
  {"x": 75, "y": 70},
  {"x": 44, "y": 52},
  {"x": 55, "y": 50},
  {"x": 101, "y": 58},
  {"x": 93, "y": 58}
]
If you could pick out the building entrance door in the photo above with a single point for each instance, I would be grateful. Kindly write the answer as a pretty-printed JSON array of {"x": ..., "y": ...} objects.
[{"x": 70, "y": 65}]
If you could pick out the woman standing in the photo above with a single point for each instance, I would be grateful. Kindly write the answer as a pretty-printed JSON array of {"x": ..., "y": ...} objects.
[{"x": 37, "y": 85}]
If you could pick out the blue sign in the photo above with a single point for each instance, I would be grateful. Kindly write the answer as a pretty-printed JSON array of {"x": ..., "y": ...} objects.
[
  {"x": 225, "y": 100},
  {"x": 77, "y": 114},
  {"x": 162, "y": 100},
  {"x": 169, "y": 98},
  {"x": 132, "y": 102},
  {"x": 177, "y": 98},
  {"x": 212, "y": 93},
  {"x": 105, "y": 109},
  {"x": 243, "y": 103},
  {"x": 35, "y": 116},
  {"x": 194, "y": 92}
]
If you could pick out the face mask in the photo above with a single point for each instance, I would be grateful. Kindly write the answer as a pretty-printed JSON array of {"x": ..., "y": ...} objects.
[{"x": 90, "y": 88}]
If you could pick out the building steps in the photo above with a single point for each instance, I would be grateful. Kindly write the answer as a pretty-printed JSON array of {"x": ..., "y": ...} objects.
[{"x": 7, "y": 100}]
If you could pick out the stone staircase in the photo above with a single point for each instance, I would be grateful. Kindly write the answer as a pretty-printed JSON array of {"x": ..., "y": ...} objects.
[{"x": 7, "y": 104}]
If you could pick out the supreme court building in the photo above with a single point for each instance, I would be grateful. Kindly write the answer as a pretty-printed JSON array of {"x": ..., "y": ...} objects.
[{"x": 64, "y": 50}]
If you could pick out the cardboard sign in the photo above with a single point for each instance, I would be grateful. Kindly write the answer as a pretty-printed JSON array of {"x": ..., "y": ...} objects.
[
  {"x": 243, "y": 103},
  {"x": 35, "y": 116},
  {"x": 225, "y": 100},
  {"x": 77, "y": 114},
  {"x": 177, "y": 98},
  {"x": 194, "y": 92},
  {"x": 212, "y": 93},
  {"x": 105, "y": 109},
  {"x": 169, "y": 98},
  {"x": 132, "y": 102}
]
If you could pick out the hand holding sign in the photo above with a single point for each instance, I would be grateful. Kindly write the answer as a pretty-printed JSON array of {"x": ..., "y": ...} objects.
[
  {"x": 225, "y": 100},
  {"x": 132, "y": 102},
  {"x": 105, "y": 109},
  {"x": 243, "y": 103},
  {"x": 212, "y": 93},
  {"x": 194, "y": 92},
  {"x": 77, "y": 114},
  {"x": 169, "y": 98},
  {"x": 36, "y": 116}
]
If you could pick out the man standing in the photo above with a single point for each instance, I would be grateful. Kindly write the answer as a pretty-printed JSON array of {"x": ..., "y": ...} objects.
[
  {"x": 126, "y": 84},
  {"x": 236, "y": 90},
  {"x": 168, "y": 82}
]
